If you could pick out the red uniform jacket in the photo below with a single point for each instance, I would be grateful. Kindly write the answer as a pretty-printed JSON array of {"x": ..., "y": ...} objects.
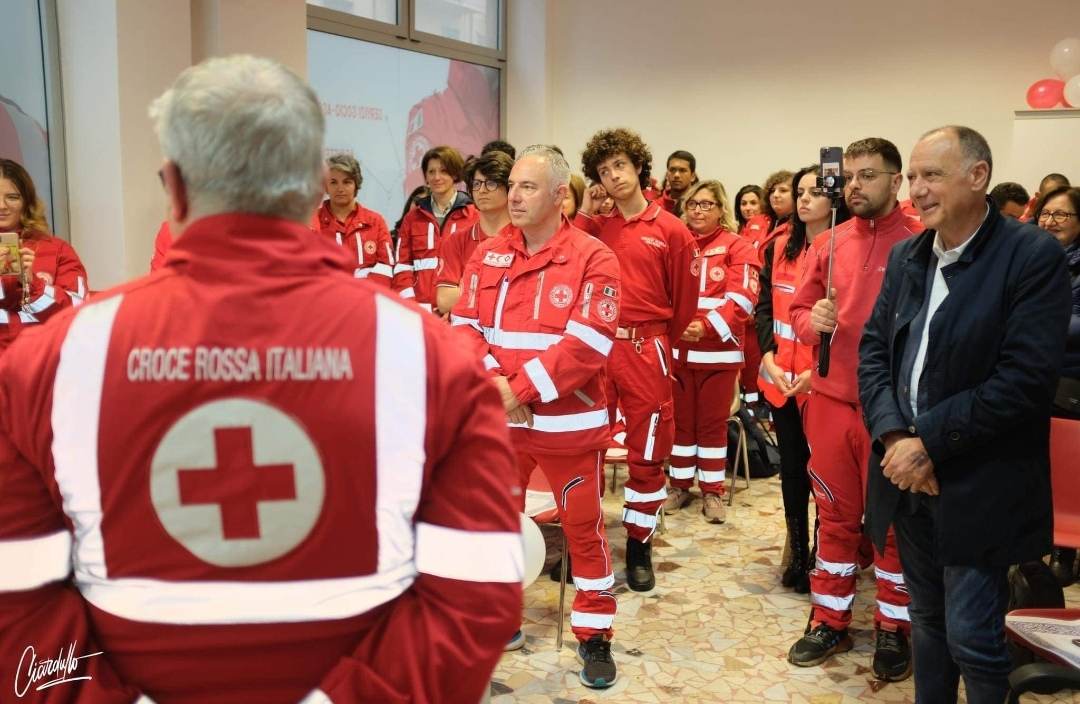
[
  {"x": 365, "y": 236},
  {"x": 546, "y": 321},
  {"x": 58, "y": 281},
  {"x": 238, "y": 495},
  {"x": 789, "y": 353},
  {"x": 862, "y": 250},
  {"x": 419, "y": 240},
  {"x": 456, "y": 251},
  {"x": 756, "y": 230},
  {"x": 658, "y": 263},
  {"x": 727, "y": 294},
  {"x": 162, "y": 241}
]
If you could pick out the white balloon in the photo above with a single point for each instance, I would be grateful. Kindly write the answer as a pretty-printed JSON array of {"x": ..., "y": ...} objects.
[
  {"x": 535, "y": 550},
  {"x": 1072, "y": 91},
  {"x": 1065, "y": 58}
]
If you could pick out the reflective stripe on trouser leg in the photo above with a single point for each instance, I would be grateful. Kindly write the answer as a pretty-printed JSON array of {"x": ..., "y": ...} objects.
[
  {"x": 683, "y": 465},
  {"x": 839, "y": 453},
  {"x": 715, "y": 389},
  {"x": 892, "y": 594},
  {"x": 576, "y": 481}
]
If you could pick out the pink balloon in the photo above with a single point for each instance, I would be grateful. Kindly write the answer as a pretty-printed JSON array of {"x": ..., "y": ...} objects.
[{"x": 1046, "y": 93}]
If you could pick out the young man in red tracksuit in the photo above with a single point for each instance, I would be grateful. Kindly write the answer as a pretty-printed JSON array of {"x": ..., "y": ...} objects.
[
  {"x": 838, "y": 439},
  {"x": 706, "y": 370},
  {"x": 207, "y": 505},
  {"x": 361, "y": 231},
  {"x": 541, "y": 303},
  {"x": 659, "y": 264}
]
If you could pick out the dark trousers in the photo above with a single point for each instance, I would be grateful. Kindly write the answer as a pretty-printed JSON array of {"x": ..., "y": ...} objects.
[
  {"x": 957, "y": 617},
  {"x": 794, "y": 454}
]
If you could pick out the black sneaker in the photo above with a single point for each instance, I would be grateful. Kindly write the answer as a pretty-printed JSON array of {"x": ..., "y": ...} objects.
[
  {"x": 639, "y": 571},
  {"x": 598, "y": 671},
  {"x": 819, "y": 645},
  {"x": 892, "y": 656}
]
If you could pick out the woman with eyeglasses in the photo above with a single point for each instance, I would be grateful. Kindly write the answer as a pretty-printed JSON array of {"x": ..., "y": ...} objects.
[
  {"x": 486, "y": 177},
  {"x": 362, "y": 232},
  {"x": 51, "y": 276},
  {"x": 706, "y": 370},
  {"x": 786, "y": 363},
  {"x": 1058, "y": 212}
]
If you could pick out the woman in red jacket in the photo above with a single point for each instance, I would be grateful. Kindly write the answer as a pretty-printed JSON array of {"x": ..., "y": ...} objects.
[
  {"x": 786, "y": 363},
  {"x": 362, "y": 232},
  {"x": 749, "y": 201},
  {"x": 52, "y": 276}
]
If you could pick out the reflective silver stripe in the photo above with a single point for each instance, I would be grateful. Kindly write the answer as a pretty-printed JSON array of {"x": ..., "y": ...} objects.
[
  {"x": 741, "y": 301},
  {"x": 315, "y": 696},
  {"x": 836, "y": 603},
  {"x": 456, "y": 319},
  {"x": 712, "y": 357},
  {"x": 638, "y": 518},
  {"x": 500, "y": 302},
  {"x": 43, "y": 302},
  {"x": 27, "y": 317},
  {"x": 567, "y": 423},
  {"x": 29, "y": 563},
  {"x": 650, "y": 439},
  {"x": 682, "y": 472},
  {"x": 337, "y": 236},
  {"x": 712, "y": 453},
  {"x": 710, "y": 303},
  {"x": 534, "y": 369},
  {"x": 425, "y": 264},
  {"x": 619, "y": 437},
  {"x": 408, "y": 293},
  {"x": 840, "y": 569},
  {"x": 711, "y": 476},
  {"x": 431, "y": 235},
  {"x": 590, "y": 336},
  {"x": 520, "y": 340},
  {"x": 490, "y": 362},
  {"x": 469, "y": 556},
  {"x": 594, "y": 585},
  {"x": 660, "y": 356},
  {"x": 383, "y": 269},
  {"x": 631, "y": 496},
  {"x": 4, "y": 317},
  {"x": 398, "y": 268},
  {"x": 900, "y": 613},
  {"x": 581, "y": 619},
  {"x": 783, "y": 330},
  {"x": 720, "y": 325},
  {"x": 684, "y": 450},
  {"x": 786, "y": 288},
  {"x": 894, "y": 577}
]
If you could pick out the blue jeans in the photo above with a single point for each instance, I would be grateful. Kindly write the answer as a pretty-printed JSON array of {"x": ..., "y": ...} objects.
[{"x": 957, "y": 617}]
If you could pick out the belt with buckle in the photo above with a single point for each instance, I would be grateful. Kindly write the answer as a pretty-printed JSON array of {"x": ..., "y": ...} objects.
[{"x": 639, "y": 332}]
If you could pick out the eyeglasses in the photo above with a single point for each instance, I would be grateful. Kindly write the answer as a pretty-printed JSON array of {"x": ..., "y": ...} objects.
[
  {"x": 487, "y": 185},
  {"x": 865, "y": 175},
  {"x": 1059, "y": 217},
  {"x": 702, "y": 205}
]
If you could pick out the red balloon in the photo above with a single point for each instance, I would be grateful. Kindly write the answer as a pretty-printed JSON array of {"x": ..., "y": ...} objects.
[{"x": 1046, "y": 93}]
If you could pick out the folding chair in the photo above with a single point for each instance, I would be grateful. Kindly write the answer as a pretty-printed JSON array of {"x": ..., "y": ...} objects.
[
  {"x": 743, "y": 454},
  {"x": 541, "y": 507}
]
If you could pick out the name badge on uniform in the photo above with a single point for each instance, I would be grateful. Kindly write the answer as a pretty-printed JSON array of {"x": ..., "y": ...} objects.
[
  {"x": 502, "y": 261},
  {"x": 715, "y": 250}
]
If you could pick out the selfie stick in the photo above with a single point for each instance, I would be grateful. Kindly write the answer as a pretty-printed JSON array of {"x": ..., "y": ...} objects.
[{"x": 826, "y": 337}]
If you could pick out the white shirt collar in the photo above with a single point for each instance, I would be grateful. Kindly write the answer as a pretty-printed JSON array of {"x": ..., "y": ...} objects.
[{"x": 948, "y": 256}]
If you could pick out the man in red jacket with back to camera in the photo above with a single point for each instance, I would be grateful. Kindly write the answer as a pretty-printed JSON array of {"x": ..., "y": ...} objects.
[
  {"x": 215, "y": 490},
  {"x": 838, "y": 439},
  {"x": 659, "y": 266}
]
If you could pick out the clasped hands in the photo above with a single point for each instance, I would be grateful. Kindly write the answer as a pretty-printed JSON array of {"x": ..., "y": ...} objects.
[
  {"x": 516, "y": 412},
  {"x": 907, "y": 464}
]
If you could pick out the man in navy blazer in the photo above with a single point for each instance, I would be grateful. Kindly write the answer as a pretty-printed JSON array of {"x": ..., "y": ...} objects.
[{"x": 958, "y": 365}]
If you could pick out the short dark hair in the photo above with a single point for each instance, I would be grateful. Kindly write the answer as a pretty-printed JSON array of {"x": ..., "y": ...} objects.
[
  {"x": 972, "y": 145},
  {"x": 1009, "y": 192},
  {"x": 450, "y": 158},
  {"x": 749, "y": 188},
  {"x": 685, "y": 156},
  {"x": 607, "y": 143},
  {"x": 1059, "y": 179},
  {"x": 498, "y": 145},
  {"x": 1073, "y": 195},
  {"x": 495, "y": 165},
  {"x": 876, "y": 145}
]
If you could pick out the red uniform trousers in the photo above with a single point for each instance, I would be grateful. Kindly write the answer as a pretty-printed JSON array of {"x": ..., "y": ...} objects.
[
  {"x": 576, "y": 480},
  {"x": 639, "y": 383},
  {"x": 839, "y": 452},
  {"x": 702, "y": 405},
  {"x": 748, "y": 375}
]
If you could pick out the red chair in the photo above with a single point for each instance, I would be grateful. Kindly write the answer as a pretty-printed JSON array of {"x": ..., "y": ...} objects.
[{"x": 1053, "y": 634}]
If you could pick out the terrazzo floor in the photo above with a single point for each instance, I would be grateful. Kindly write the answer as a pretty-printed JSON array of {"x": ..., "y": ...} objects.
[{"x": 717, "y": 627}]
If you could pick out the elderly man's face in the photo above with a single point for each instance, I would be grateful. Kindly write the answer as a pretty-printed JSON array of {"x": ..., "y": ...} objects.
[
  {"x": 944, "y": 186},
  {"x": 533, "y": 201}
]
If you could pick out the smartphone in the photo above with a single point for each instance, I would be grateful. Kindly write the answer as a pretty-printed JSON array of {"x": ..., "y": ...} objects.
[
  {"x": 831, "y": 179},
  {"x": 10, "y": 257}
]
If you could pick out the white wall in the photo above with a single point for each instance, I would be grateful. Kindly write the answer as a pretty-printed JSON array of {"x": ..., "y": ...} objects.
[{"x": 751, "y": 87}]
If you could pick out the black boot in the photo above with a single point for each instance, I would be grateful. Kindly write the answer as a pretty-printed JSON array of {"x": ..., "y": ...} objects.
[
  {"x": 797, "y": 574},
  {"x": 639, "y": 572},
  {"x": 1061, "y": 564}
]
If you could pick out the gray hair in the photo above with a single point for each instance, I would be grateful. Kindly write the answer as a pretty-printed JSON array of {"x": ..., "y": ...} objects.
[
  {"x": 557, "y": 166},
  {"x": 973, "y": 145},
  {"x": 348, "y": 165},
  {"x": 246, "y": 134}
]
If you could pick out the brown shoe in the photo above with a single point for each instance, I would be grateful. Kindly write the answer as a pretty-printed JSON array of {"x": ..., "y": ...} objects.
[
  {"x": 677, "y": 498},
  {"x": 714, "y": 509}
]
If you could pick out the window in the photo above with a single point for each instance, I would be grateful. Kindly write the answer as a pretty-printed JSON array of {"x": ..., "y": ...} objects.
[
  {"x": 378, "y": 10},
  {"x": 387, "y": 106},
  {"x": 30, "y": 128},
  {"x": 469, "y": 21}
]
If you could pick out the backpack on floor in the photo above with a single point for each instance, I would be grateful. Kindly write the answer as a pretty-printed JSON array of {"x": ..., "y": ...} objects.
[{"x": 763, "y": 455}]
